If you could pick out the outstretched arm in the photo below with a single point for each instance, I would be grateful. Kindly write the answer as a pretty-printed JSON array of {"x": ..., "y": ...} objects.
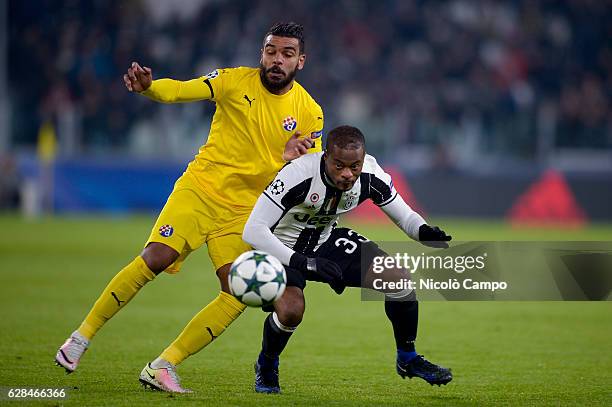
[
  {"x": 403, "y": 216},
  {"x": 414, "y": 225},
  {"x": 140, "y": 79}
]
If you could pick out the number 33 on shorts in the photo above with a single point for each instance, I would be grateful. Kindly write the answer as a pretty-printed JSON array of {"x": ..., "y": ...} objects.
[{"x": 350, "y": 243}]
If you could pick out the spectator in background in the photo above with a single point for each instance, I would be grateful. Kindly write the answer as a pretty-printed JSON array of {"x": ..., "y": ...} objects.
[
  {"x": 427, "y": 69},
  {"x": 9, "y": 183}
]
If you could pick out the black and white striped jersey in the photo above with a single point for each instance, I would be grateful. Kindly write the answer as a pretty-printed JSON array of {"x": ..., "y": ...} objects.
[
  {"x": 311, "y": 205},
  {"x": 301, "y": 206}
]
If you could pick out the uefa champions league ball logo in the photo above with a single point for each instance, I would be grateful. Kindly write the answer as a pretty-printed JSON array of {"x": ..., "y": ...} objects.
[
  {"x": 213, "y": 74},
  {"x": 277, "y": 187}
]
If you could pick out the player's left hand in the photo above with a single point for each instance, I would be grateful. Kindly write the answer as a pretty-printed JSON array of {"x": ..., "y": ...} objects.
[
  {"x": 296, "y": 146},
  {"x": 433, "y": 236}
]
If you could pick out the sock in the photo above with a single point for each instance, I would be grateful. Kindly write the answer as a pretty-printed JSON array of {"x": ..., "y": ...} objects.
[
  {"x": 275, "y": 338},
  {"x": 405, "y": 356},
  {"x": 204, "y": 328},
  {"x": 121, "y": 289},
  {"x": 404, "y": 317}
]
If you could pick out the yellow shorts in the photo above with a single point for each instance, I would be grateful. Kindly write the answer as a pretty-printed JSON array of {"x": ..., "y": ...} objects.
[{"x": 190, "y": 218}]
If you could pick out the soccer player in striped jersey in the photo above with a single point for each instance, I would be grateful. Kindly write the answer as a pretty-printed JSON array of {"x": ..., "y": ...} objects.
[
  {"x": 295, "y": 220},
  {"x": 263, "y": 118}
]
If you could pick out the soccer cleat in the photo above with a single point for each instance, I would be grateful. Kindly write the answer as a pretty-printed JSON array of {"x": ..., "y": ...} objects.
[
  {"x": 420, "y": 367},
  {"x": 69, "y": 354},
  {"x": 266, "y": 378},
  {"x": 163, "y": 378}
]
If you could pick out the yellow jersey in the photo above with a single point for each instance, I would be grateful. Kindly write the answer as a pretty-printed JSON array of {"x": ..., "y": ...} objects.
[{"x": 248, "y": 133}]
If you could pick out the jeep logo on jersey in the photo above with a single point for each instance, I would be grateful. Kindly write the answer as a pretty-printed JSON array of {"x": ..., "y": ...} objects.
[
  {"x": 277, "y": 187},
  {"x": 314, "y": 220},
  {"x": 289, "y": 123}
]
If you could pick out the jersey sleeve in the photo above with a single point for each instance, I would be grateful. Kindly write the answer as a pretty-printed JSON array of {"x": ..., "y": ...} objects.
[
  {"x": 258, "y": 230},
  {"x": 404, "y": 216},
  {"x": 314, "y": 128},
  {"x": 382, "y": 191},
  {"x": 287, "y": 190},
  {"x": 208, "y": 87},
  {"x": 289, "y": 187}
]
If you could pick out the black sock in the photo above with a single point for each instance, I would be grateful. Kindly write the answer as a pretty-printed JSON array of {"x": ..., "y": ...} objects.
[
  {"x": 275, "y": 338},
  {"x": 404, "y": 316}
]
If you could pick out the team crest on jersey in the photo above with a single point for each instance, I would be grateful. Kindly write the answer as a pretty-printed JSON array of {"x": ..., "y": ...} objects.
[
  {"x": 289, "y": 123},
  {"x": 314, "y": 197},
  {"x": 166, "y": 230},
  {"x": 350, "y": 200},
  {"x": 277, "y": 187},
  {"x": 213, "y": 74},
  {"x": 316, "y": 134}
]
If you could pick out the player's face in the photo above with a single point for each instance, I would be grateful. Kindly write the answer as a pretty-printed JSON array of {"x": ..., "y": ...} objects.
[
  {"x": 343, "y": 166},
  {"x": 280, "y": 61}
]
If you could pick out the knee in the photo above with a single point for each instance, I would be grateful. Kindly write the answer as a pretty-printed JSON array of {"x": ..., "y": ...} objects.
[
  {"x": 158, "y": 256},
  {"x": 290, "y": 307},
  {"x": 222, "y": 275},
  {"x": 290, "y": 317}
]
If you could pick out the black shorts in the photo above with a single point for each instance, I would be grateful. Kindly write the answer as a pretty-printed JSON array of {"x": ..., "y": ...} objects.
[{"x": 351, "y": 251}]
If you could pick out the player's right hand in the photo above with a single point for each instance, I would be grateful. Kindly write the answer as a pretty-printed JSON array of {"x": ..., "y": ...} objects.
[
  {"x": 137, "y": 78},
  {"x": 297, "y": 147},
  {"x": 327, "y": 270}
]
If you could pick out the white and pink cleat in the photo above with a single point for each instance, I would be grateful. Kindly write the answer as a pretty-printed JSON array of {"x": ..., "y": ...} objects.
[
  {"x": 69, "y": 354},
  {"x": 161, "y": 375}
]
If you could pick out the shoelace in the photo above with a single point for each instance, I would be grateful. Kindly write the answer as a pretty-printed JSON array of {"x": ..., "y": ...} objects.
[
  {"x": 173, "y": 374},
  {"x": 76, "y": 350},
  {"x": 426, "y": 364},
  {"x": 270, "y": 375}
]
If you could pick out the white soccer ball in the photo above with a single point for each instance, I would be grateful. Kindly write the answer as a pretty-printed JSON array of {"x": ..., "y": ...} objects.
[{"x": 257, "y": 278}]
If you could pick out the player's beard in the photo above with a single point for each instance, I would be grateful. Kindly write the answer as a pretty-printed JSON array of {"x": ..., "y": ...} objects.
[{"x": 275, "y": 86}]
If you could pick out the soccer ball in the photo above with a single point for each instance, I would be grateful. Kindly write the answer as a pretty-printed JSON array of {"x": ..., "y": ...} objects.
[{"x": 257, "y": 278}]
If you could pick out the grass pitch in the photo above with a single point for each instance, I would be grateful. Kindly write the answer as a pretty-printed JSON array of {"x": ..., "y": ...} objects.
[{"x": 512, "y": 353}]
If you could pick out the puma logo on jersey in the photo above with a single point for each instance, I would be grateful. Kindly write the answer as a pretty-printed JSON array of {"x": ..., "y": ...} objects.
[{"x": 249, "y": 100}]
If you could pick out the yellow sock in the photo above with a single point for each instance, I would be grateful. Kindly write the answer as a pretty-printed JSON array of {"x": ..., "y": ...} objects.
[
  {"x": 121, "y": 289},
  {"x": 204, "y": 327}
]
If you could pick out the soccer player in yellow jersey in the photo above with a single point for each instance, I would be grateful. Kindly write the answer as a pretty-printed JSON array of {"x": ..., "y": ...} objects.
[{"x": 263, "y": 118}]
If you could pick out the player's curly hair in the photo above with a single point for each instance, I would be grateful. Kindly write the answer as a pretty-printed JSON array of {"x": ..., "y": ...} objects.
[
  {"x": 345, "y": 137},
  {"x": 289, "y": 30}
]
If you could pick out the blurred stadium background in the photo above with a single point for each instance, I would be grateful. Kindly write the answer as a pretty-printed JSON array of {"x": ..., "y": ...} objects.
[
  {"x": 474, "y": 101},
  {"x": 488, "y": 114}
]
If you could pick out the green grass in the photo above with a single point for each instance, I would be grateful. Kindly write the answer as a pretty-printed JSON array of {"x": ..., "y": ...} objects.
[{"x": 513, "y": 353}]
